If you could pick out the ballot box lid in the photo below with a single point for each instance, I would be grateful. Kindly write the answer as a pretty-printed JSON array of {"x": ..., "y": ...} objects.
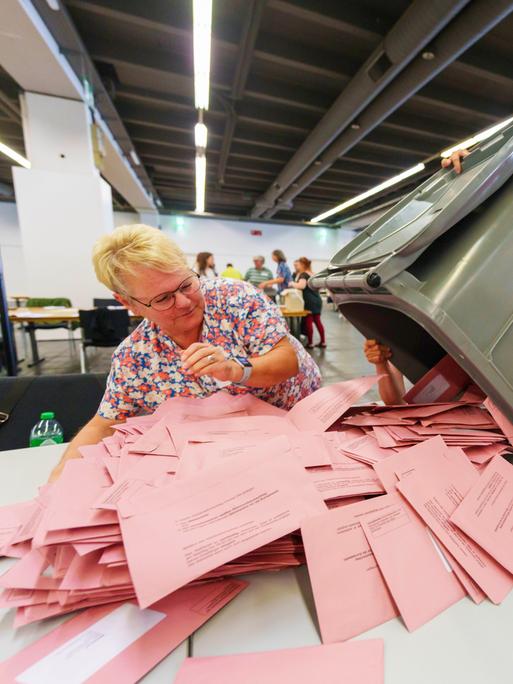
[
  {"x": 434, "y": 275},
  {"x": 434, "y": 207}
]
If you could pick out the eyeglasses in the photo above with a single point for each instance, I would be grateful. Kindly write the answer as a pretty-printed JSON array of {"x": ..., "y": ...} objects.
[{"x": 166, "y": 300}]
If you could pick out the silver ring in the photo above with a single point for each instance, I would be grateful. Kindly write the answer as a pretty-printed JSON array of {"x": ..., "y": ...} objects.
[{"x": 211, "y": 358}]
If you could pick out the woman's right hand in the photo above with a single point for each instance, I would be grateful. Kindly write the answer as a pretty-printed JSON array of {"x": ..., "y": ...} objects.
[{"x": 376, "y": 353}]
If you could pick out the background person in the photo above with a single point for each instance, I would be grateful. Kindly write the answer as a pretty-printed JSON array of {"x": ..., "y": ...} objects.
[
  {"x": 312, "y": 300},
  {"x": 205, "y": 266},
  {"x": 283, "y": 274},
  {"x": 231, "y": 272},
  {"x": 296, "y": 270},
  {"x": 195, "y": 333},
  {"x": 259, "y": 274}
]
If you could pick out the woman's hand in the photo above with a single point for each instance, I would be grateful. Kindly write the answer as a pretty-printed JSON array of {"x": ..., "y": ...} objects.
[
  {"x": 205, "y": 359},
  {"x": 376, "y": 353}
]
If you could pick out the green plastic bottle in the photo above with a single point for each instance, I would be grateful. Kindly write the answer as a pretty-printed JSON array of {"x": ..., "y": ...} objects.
[{"x": 46, "y": 431}]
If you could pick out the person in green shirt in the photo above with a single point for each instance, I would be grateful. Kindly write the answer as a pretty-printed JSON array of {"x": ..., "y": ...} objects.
[
  {"x": 259, "y": 274},
  {"x": 231, "y": 272}
]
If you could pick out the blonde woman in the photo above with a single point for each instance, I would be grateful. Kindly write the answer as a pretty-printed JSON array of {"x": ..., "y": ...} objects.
[{"x": 195, "y": 333}]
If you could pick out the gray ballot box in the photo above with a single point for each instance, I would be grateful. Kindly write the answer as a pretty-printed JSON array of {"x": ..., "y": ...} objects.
[{"x": 434, "y": 274}]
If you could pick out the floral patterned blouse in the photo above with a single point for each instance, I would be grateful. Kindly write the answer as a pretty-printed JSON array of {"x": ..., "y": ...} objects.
[{"x": 146, "y": 367}]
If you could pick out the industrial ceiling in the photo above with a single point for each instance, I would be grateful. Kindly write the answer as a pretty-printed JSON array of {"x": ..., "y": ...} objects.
[{"x": 312, "y": 101}]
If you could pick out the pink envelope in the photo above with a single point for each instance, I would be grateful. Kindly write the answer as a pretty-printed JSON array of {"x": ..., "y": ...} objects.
[
  {"x": 313, "y": 449},
  {"x": 418, "y": 576},
  {"x": 198, "y": 457},
  {"x": 83, "y": 548},
  {"x": 469, "y": 416},
  {"x": 245, "y": 428},
  {"x": 94, "y": 452},
  {"x": 369, "y": 420},
  {"x": 144, "y": 470},
  {"x": 358, "y": 662},
  {"x": 180, "y": 532},
  {"x": 501, "y": 420},
  {"x": 73, "y": 493},
  {"x": 435, "y": 491},
  {"x": 120, "y": 642},
  {"x": 486, "y": 512},
  {"x": 216, "y": 405},
  {"x": 26, "y": 573},
  {"x": 387, "y": 470},
  {"x": 367, "y": 450},
  {"x": 18, "y": 523},
  {"x": 346, "y": 478},
  {"x": 384, "y": 437},
  {"x": 349, "y": 591},
  {"x": 156, "y": 441},
  {"x": 421, "y": 410},
  {"x": 322, "y": 408},
  {"x": 484, "y": 454},
  {"x": 443, "y": 382}
]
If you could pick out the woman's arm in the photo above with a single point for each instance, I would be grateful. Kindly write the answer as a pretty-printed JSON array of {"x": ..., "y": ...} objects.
[
  {"x": 277, "y": 365},
  {"x": 92, "y": 433},
  {"x": 273, "y": 281},
  {"x": 299, "y": 284}
]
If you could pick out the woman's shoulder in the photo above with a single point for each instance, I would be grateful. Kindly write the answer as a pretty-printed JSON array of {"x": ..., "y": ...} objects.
[{"x": 222, "y": 289}]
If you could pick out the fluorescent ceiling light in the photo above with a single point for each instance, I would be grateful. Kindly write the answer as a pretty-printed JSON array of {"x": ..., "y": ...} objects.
[
  {"x": 202, "y": 26},
  {"x": 368, "y": 193},
  {"x": 201, "y": 177},
  {"x": 479, "y": 137},
  {"x": 12, "y": 154},
  {"x": 135, "y": 158},
  {"x": 200, "y": 135}
]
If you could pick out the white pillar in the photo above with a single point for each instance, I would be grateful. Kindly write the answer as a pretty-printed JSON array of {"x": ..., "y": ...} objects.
[
  {"x": 149, "y": 217},
  {"x": 63, "y": 203}
]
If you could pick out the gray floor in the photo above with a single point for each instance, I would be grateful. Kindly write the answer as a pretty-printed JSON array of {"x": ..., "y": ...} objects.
[{"x": 341, "y": 360}]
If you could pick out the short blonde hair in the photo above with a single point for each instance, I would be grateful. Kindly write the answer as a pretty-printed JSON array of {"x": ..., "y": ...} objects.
[{"x": 119, "y": 253}]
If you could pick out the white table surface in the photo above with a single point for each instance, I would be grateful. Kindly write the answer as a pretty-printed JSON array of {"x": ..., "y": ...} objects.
[{"x": 466, "y": 644}]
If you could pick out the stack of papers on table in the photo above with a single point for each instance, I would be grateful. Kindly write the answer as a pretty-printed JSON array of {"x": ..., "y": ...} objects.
[
  {"x": 202, "y": 489},
  {"x": 399, "y": 511},
  {"x": 442, "y": 532}
]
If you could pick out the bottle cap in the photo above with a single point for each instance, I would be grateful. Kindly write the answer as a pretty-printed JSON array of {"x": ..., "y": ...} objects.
[{"x": 47, "y": 415}]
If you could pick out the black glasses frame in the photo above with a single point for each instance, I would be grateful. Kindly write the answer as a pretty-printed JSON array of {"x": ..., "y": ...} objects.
[{"x": 194, "y": 277}]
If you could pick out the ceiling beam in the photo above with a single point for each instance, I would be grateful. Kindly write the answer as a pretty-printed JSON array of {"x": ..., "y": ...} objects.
[
  {"x": 343, "y": 17},
  {"x": 254, "y": 10},
  {"x": 472, "y": 106},
  {"x": 486, "y": 65},
  {"x": 474, "y": 21},
  {"x": 389, "y": 60}
]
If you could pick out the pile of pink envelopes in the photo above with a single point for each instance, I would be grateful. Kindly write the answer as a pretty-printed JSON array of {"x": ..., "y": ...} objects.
[
  {"x": 442, "y": 531},
  {"x": 399, "y": 510},
  {"x": 201, "y": 489}
]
